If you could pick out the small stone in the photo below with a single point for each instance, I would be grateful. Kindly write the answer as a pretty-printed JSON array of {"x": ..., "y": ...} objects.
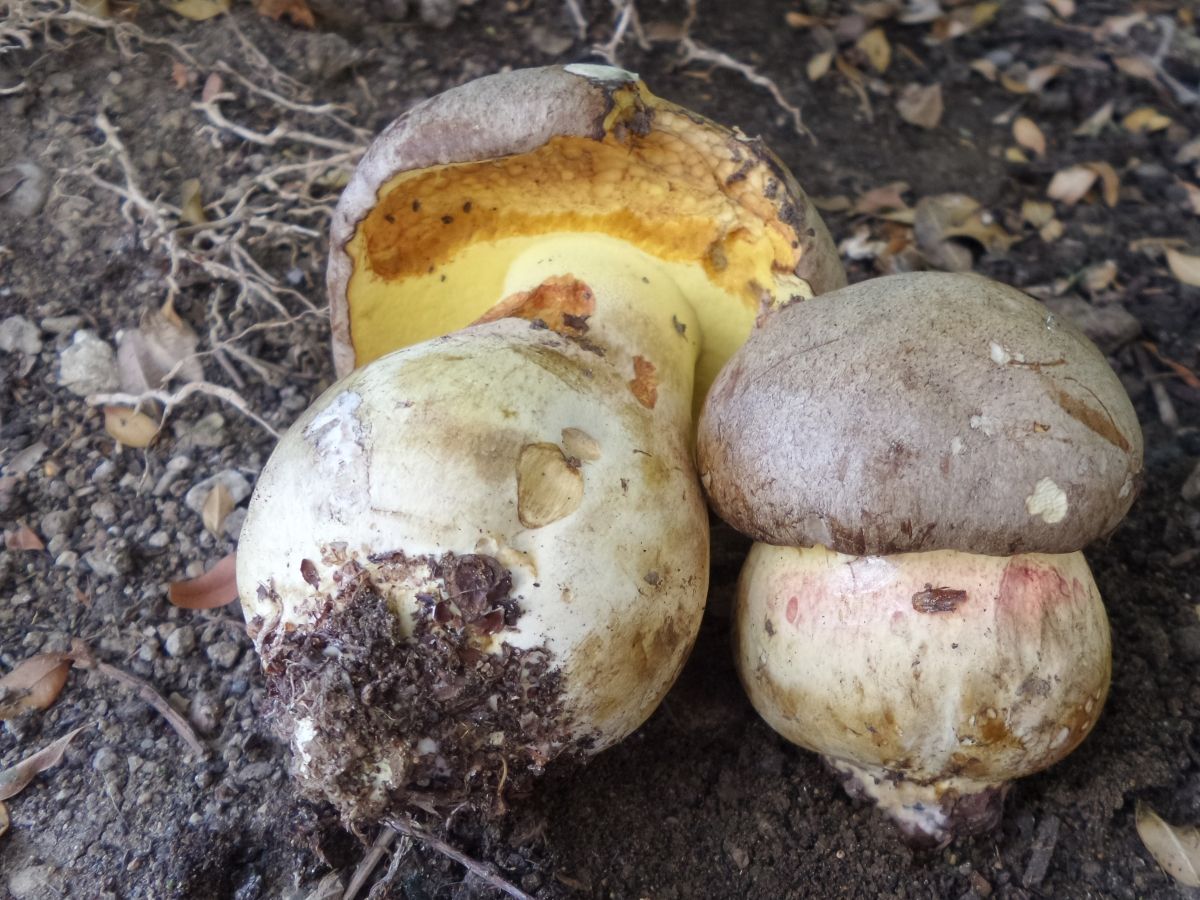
[
  {"x": 61, "y": 324},
  {"x": 175, "y": 467},
  {"x": 68, "y": 559},
  {"x": 113, "y": 560},
  {"x": 58, "y": 522},
  {"x": 19, "y": 335},
  {"x": 25, "y": 461},
  {"x": 258, "y": 771},
  {"x": 234, "y": 522},
  {"x": 208, "y": 431},
  {"x": 23, "y": 189},
  {"x": 223, "y": 654},
  {"x": 234, "y": 482},
  {"x": 88, "y": 365},
  {"x": 104, "y": 472},
  {"x": 105, "y": 511},
  {"x": 158, "y": 540},
  {"x": 180, "y": 642},
  {"x": 205, "y": 712},
  {"x": 104, "y": 759}
]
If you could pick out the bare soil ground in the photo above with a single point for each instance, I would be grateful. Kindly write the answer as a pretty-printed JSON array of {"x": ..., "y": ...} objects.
[{"x": 104, "y": 118}]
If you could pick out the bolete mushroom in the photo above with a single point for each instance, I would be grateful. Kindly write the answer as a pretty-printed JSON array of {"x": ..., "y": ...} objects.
[
  {"x": 928, "y": 453},
  {"x": 486, "y": 545}
]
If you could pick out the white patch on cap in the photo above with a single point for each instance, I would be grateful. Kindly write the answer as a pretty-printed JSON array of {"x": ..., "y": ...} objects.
[
  {"x": 956, "y": 446},
  {"x": 1002, "y": 356},
  {"x": 986, "y": 424},
  {"x": 599, "y": 73},
  {"x": 1126, "y": 487},
  {"x": 1048, "y": 500}
]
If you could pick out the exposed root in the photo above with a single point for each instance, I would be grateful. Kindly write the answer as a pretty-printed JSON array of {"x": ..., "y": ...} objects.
[{"x": 481, "y": 870}]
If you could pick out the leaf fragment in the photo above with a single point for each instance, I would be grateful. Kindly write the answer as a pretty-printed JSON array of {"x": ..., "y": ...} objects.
[
  {"x": 217, "y": 506},
  {"x": 198, "y": 10},
  {"x": 1176, "y": 849},
  {"x": 34, "y": 683},
  {"x": 216, "y": 587},
  {"x": 1110, "y": 181},
  {"x": 1099, "y": 276},
  {"x": 1145, "y": 120},
  {"x": 1193, "y": 196},
  {"x": 1037, "y": 213},
  {"x": 162, "y": 347},
  {"x": 874, "y": 45},
  {"x": 16, "y": 777},
  {"x": 818, "y": 65},
  {"x": 1096, "y": 122},
  {"x": 1184, "y": 267},
  {"x": 22, "y": 538},
  {"x": 921, "y": 105},
  {"x": 191, "y": 207},
  {"x": 881, "y": 199},
  {"x": 1071, "y": 184},
  {"x": 1028, "y": 135},
  {"x": 129, "y": 426},
  {"x": 295, "y": 11},
  {"x": 1136, "y": 67}
]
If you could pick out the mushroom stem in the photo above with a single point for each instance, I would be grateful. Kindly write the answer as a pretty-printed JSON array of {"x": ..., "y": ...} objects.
[{"x": 929, "y": 679}]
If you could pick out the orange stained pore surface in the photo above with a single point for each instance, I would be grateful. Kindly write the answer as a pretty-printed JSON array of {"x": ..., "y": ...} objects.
[
  {"x": 682, "y": 192},
  {"x": 563, "y": 303},
  {"x": 644, "y": 385}
]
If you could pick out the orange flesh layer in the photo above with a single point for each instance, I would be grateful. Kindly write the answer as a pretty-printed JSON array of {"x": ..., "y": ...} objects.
[{"x": 684, "y": 192}]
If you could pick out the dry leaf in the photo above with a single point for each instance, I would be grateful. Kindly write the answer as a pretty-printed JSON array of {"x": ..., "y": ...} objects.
[
  {"x": 921, "y": 105},
  {"x": 130, "y": 427},
  {"x": 1136, "y": 66},
  {"x": 1186, "y": 375},
  {"x": 1110, "y": 181},
  {"x": 1189, "y": 152},
  {"x": 216, "y": 587},
  {"x": 1030, "y": 82},
  {"x": 819, "y": 64},
  {"x": 962, "y": 20},
  {"x": 882, "y": 198},
  {"x": 217, "y": 505},
  {"x": 1177, "y": 850},
  {"x": 162, "y": 344},
  {"x": 181, "y": 75},
  {"x": 5, "y": 821},
  {"x": 1071, "y": 184},
  {"x": 986, "y": 68},
  {"x": 1184, "y": 267},
  {"x": 1052, "y": 231},
  {"x": 1029, "y": 136},
  {"x": 1096, "y": 122},
  {"x": 1015, "y": 155},
  {"x": 213, "y": 85},
  {"x": 1193, "y": 195},
  {"x": 1037, "y": 213},
  {"x": 836, "y": 203},
  {"x": 1063, "y": 8},
  {"x": 943, "y": 219},
  {"x": 1099, "y": 277},
  {"x": 34, "y": 683},
  {"x": 1119, "y": 26},
  {"x": 15, "y": 778},
  {"x": 918, "y": 12},
  {"x": 874, "y": 44},
  {"x": 198, "y": 10},
  {"x": 295, "y": 11},
  {"x": 1144, "y": 120},
  {"x": 861, "y": 245},
  {"x": 191, "y": 207},
  {"x": 22, "y": 538},
  {"x": 802, "y": 20}
]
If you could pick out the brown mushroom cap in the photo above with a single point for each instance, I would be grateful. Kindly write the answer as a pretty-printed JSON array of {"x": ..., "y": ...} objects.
[
  {"x": 456, "y": 188},
  {"x": 926, "y": 411}
]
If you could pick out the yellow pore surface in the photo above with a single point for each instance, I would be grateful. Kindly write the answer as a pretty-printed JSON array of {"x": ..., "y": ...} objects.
[{"x": 431, "y": 257}]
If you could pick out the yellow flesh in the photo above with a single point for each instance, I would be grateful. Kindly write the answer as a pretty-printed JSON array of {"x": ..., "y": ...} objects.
[{"x": 433, "y": 254}]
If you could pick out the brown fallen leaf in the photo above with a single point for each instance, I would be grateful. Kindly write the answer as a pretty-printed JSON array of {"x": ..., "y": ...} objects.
[
  {"x": 22, "y": 538},
  {"x": 986, "y": 68},
  {"x": 880, "y": 199},
  {"x": 1037, "y": 213},
  {"x": 1110, "y": 181},
  {"x": 198, "y": 10},
  {"x": 921, "y": 105},
  {"x": 1145, "y": 120},
  {"x": 16, "y": 777},
  {"x": 1064, "y": 9},
  {"x": 1071, "y": 184},
  {"x": 1136, "y": 67},
  {"x": 129, "y": 426},
  {"x": 191, "y": 206},
  {"x": 962, "y": 20},
  {"x": 836, "y": 203},
  {"x": 1186, "y": 375},
  {"x": 1028, "y": 135},
  {"x": 943, "y": 220},
  {"x": 216, "y": 587},
  {"x": 1096, "y": 122},
  {"x": 1193, "y": 195},
  {"x": 818, "y": 65},
  {"x": 295, "y": 11},
  {"x": 162, "y": 347},
  {"x": 1184, "y": 267},
  {"x": 874, "y": 45},
  {"x": 217, "y": 506},
  {"x": 1176, "y": 849},
  {"x": 34, "y": 683},
  {"x": 1188, "y": 153},
  {"x": 802, "y": 20},
  {"x": 5, "y": 821},
  {"x": 1052, "y": 231},
  {"x": 1018, "y": 80},
  {"x": 1119, "y": 26},
  {"x": 1099, "y": 276}
]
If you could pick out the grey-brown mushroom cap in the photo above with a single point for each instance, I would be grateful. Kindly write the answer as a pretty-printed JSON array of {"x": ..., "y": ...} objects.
[
  {"x": 517, "y": 112},
  {"x": 917, "y": 412}
]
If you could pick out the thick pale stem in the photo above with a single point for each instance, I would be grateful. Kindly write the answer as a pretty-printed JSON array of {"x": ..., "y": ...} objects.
[{"x": 635, "y": 313}]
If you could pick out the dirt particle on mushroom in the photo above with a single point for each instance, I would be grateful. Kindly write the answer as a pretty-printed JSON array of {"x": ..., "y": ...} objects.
[{"x": 548, "y": 486}]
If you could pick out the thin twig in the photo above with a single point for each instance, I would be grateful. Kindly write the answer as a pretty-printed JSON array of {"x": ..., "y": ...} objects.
[
  {"x": 170, "y": 400},
  {"x": 369, "y": 862},
  {"x": 484, "y": 871},
  {"x": 85, "y": 659},
  {"x": 581, "y": 25}
]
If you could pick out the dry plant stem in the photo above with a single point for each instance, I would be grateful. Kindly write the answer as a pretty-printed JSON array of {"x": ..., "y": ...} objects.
[
  {"x": 85, "y": 660},
  {"x": 581, "y": 25},
  {"x": 369, "y": 862},
  {"x": 1162, "y": 400},
  {"x": 379, "y": 890},
  {"x": 481, "y": 870}
]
